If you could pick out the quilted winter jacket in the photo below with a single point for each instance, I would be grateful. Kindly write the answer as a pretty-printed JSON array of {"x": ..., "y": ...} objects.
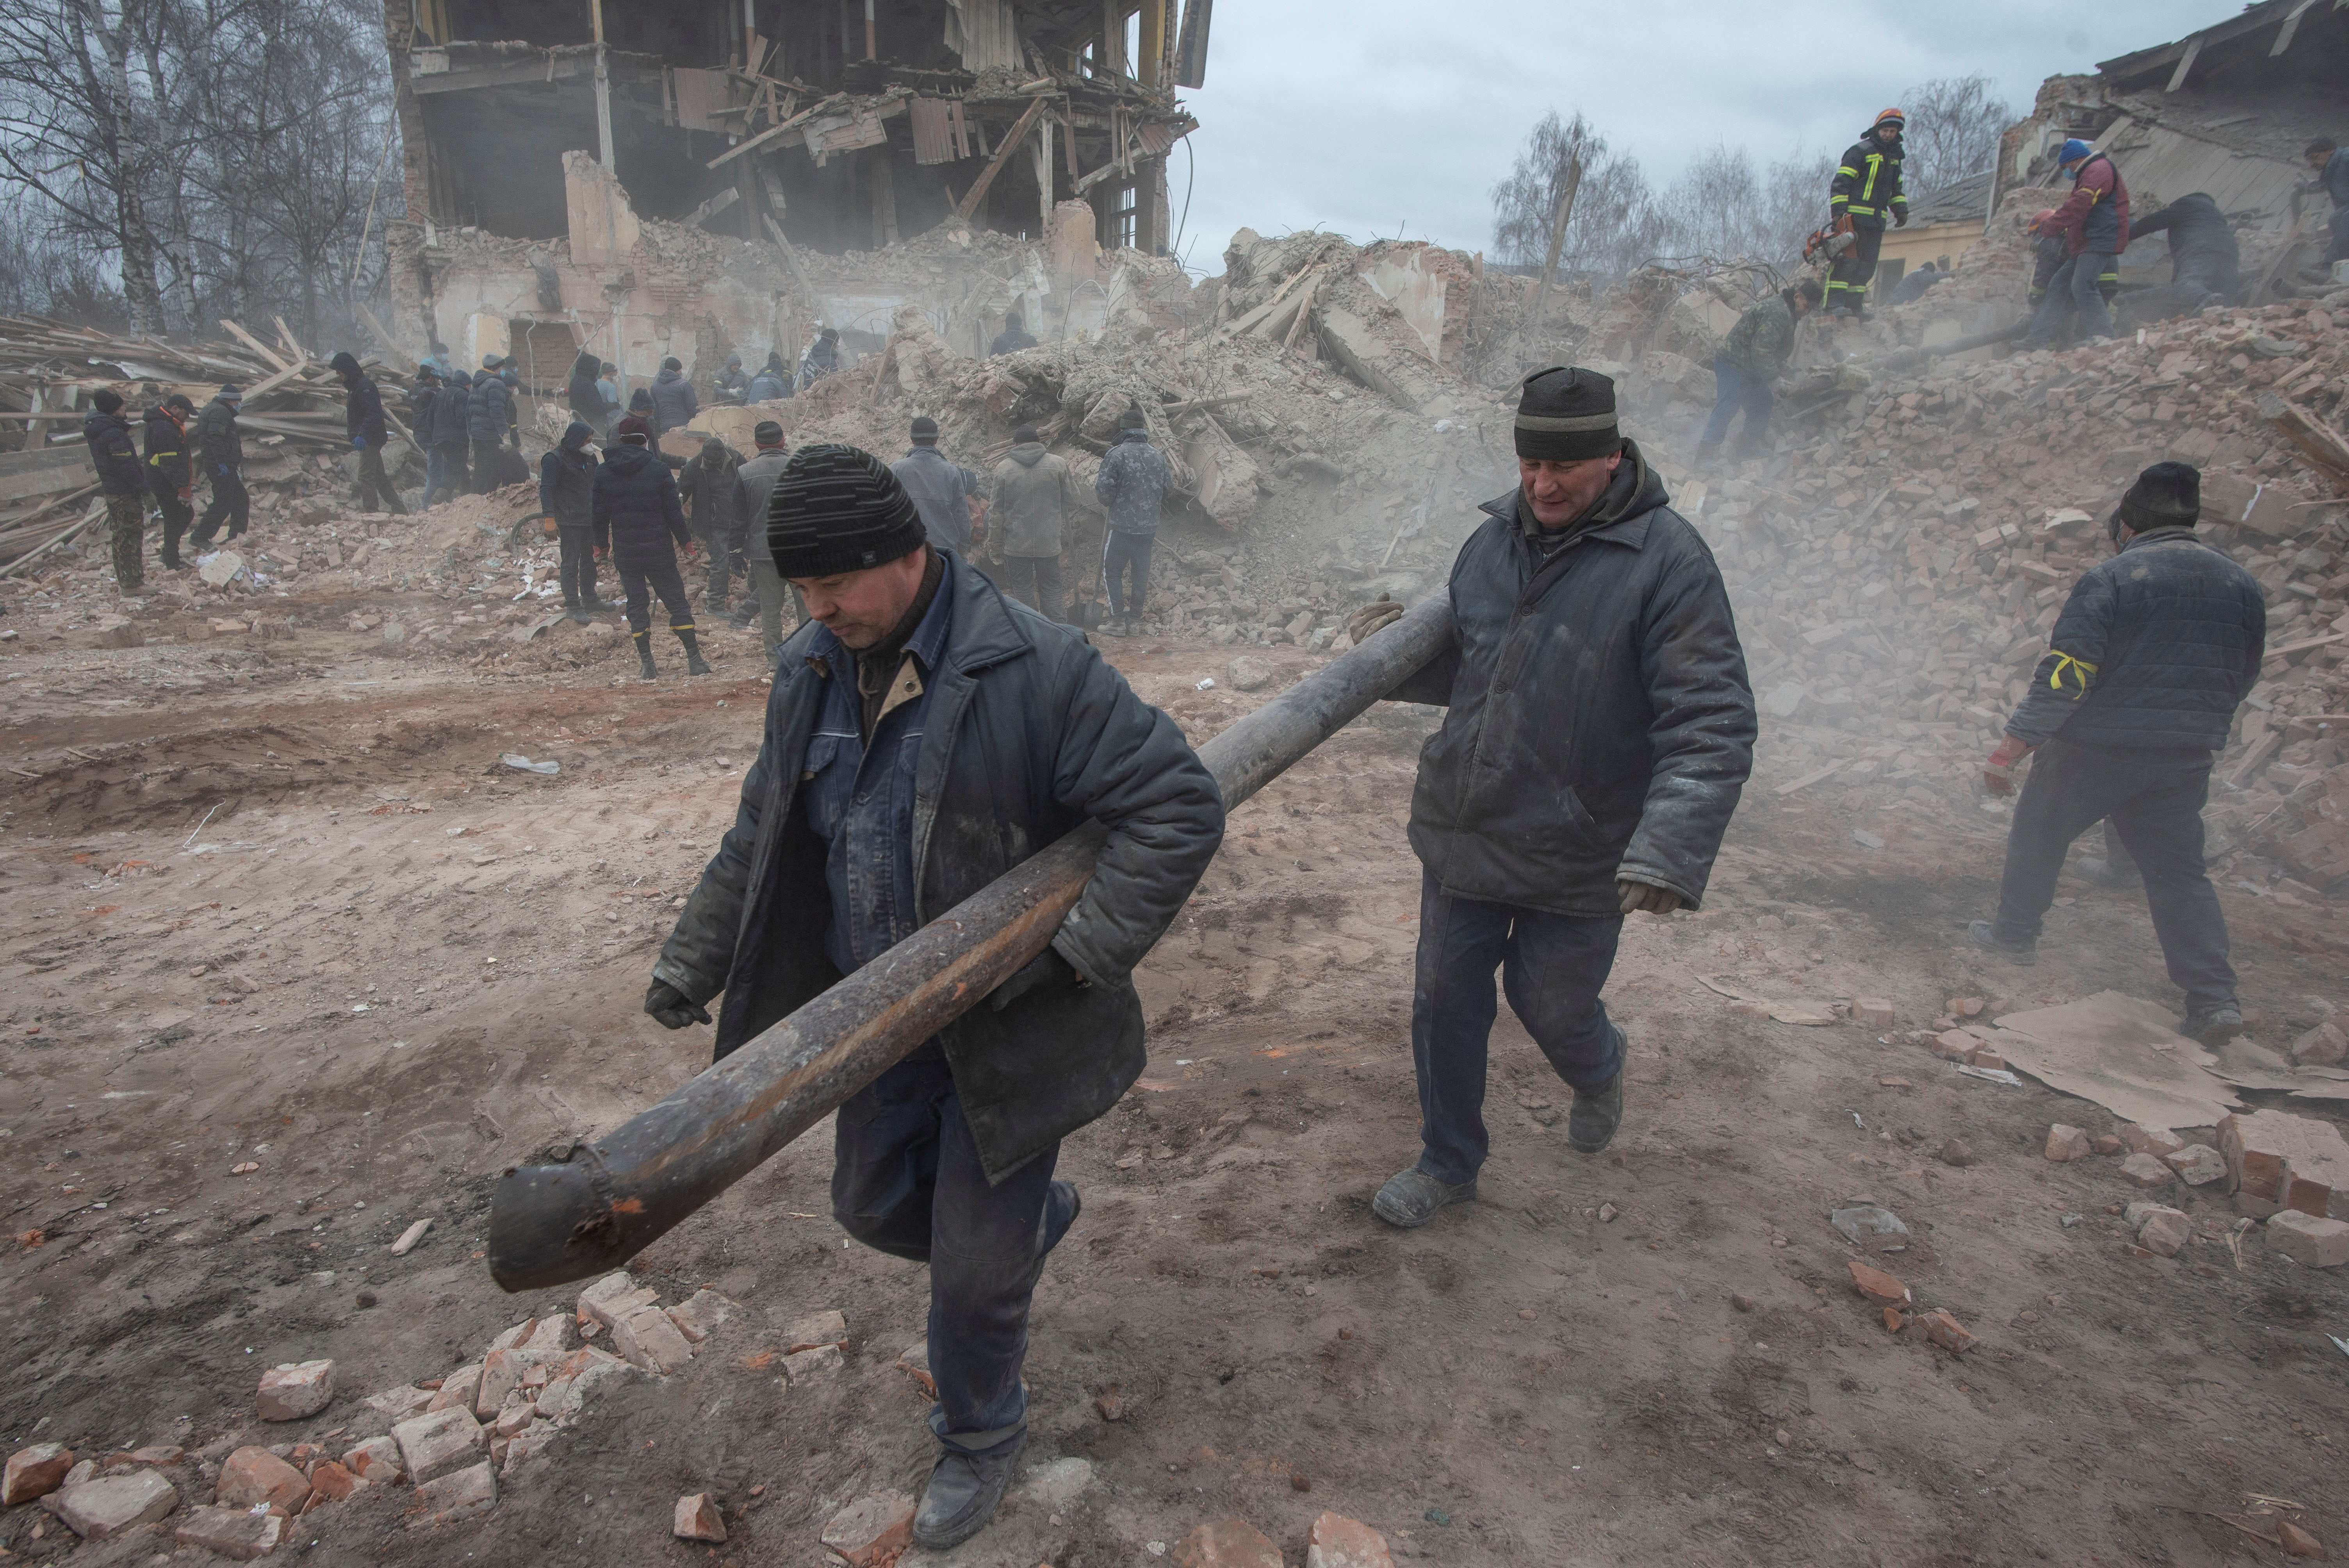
[
  {"x": 635, "y": 509},
  {"x": 2154, "y": 650}
]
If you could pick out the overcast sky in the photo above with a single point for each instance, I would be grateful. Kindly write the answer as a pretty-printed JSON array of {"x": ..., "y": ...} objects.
[{"x": 1375, "y": 117}]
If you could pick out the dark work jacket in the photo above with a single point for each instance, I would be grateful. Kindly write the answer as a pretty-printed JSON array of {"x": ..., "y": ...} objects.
[
  {"x": 1600, "y": 721},
  {"x": 2155, "y": 649},
  {"x": 166, "y": 453},
  {"x": 1029, "y": 734},
  {"x": 113, "y": 454},
  {"x": 586, "y": 398},
  {"x": 566, "y": 484},
  {"x": 1866, "y": 184},
  {"x": 363, "y": 413},
  {"x": 2203, "y": 253},
  {"x": 674, "y": 404},
  {"x": 422, "y": 403},
  {"x": 490, "y": 411},
  {"x": 2095, "y": 215},
  {"x": 636, "y": 509},
  {"x": 453, "y": 416},
  {"x": 709, "y": 497},
  {"x": 218, "y": 441}
]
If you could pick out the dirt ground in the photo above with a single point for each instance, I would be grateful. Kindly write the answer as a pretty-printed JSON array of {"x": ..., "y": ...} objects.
[{"x": 279, "y": 902}]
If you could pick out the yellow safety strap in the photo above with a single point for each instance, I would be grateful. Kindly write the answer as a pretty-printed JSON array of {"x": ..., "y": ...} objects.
[
  {"x": 2083, "y": 672},
  {"x": 1875, "y": 161}
]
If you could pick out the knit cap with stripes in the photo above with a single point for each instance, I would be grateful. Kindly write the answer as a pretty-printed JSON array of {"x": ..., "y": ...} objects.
[{"x": 838, "y": 509}]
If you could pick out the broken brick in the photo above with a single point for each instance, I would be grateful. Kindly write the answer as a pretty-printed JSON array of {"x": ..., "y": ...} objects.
[
  {"x": 1876, "y": 1285},
  {"x": 915, "y": 1364},
  {"x": 234, "y": 1533},
  {"x": 98, "y": 1509},
  {"x": 457, "y": 1390},
  {"x": 702, "y": 1316},
  {"x": 648, "y": 1339},
  {"x": 2163, "y": 1231},
  {"x": 460, "y": 1494},
  {"x": 399, "y": 1404},
  {"x": 1955, "y": 1045},
  {"x": 613, "y": 1297},
  {"x": 1336, "y": 1541},
  {"x": 1945, "y": 1331},
  {"x": 1987, "y": 1059},
  {"x": 1965, "y": 1006},
  {"x": 1872, "y": 1012},
  {"x": 1893, "y": 1321},
  {"x": 2145, "y": 1170},
  {"x": 2066, "y": 1144},
  {"x": 809, "y": 1364},
  {"x": 255, "y": 1477},
  {"x": 873, "y": 1531},
  {"x": 2296, "y": 1542},
  {"x": 696, "y": 1519},
  {"x": 375, "y": 1461},
  {"x": 2279, "y": 1161},
  {"x": 1226, "y": 1544},
  {"x": 2198, "y": 1164},
  {"x": 2141, "y": 1138},
  {"x": 332, "y": 1482},
  {"x": 2307, "y": 1238},
  {"x": 2322, "y": 1046},
  {"x": 814, "y": 1330},
  {"x": 2105, "y": 1143},
  {"x": 35, "y": 1473},
  {"x": 1110, "y": 1405},
  {"x": 159, "y": 1454},
  {"x": 432, "y": 1444},
  {"x": 293, "y": 1391}
]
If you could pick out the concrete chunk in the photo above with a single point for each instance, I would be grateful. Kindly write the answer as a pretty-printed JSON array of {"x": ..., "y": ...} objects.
[
  {"x": 234, "y": 1533},
  {"x": 702, "y": 1316},
  {"x": 431, "y": 1445},
  {"x": 293, "y": 1391},
  {"x": 2068, "y": 1143},
  {"x": 111, "y": 1505},
  {"x": 1337, "y": 1542},
  {"x": 808, "y": 1365},
  {"x": 2279, "y": 1161},
  {"x": 2163, "y": 1230},
  {"x": 818, "y": 1328},
  {"x": 648, "y": 1339},
  {"x": 873, "y": 1531},
  {"x": 2197, "y": 1164},
  {"x": 2146, "y": 1170},
  {"x": 613, "y": 1297},
  {"x": 460, "y": 1494},
  {"x": 2320, "y": 1243},
  {"x": 695, "y": 1519}
]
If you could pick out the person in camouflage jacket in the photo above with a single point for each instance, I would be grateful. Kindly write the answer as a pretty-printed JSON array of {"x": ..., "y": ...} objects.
[{"x": 1751, "y": 356}]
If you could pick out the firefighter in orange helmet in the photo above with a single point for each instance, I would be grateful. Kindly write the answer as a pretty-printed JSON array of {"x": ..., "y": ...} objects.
[{"x": 1867, "y": 190}]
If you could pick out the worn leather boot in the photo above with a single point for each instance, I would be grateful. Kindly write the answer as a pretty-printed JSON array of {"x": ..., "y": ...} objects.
[
  {"x": 1410, "y": 1198},
  {"x": 647, "y": 668},
  {"x": 964, "y": 1493},
  {"x": 1597, "y": 1112},
  {"x": 695, "y": 664}
]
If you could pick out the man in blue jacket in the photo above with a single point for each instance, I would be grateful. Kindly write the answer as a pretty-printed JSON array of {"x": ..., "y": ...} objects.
[
  {"x": 1597, "y": 732},
  {"x": 636, "y": 517},
  {"x": 2153, "y": 652}
]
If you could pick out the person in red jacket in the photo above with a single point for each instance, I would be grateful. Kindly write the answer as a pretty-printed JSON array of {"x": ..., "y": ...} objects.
[{"x": 2093, "y": 223}]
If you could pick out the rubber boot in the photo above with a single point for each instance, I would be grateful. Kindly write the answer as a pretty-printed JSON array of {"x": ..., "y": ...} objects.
[
  {"x": 647, "y": 669},
  {"x": 695, "y": 664}
]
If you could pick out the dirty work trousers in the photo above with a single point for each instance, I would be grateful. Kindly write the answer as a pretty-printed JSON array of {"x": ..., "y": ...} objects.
[
  {"x": 1034, "y": 581},
  {"x": 576, "y": 566},
  {"x": 2155, "y": 801},
  {"x": 125, "y": 528},
  {"x": 1552, "y": 966},
  {"x": 231, "y": 504},
  {"x": 1849, "y": 278},
  {"x": 722, "y": 567},
  {"x": 374, "y": 485},
  {"x": 438, "y": 483},
  {"x": 907, "y": 1180},
  {"x": 1734, "y": 390},
  {"x": 177, "y": 515},
  {"x": 2074, "y": 291},
  {"x": 641, "y": 582},
  {"x": 771, "y": 590},
  {"x": 1129, "y": 551}
]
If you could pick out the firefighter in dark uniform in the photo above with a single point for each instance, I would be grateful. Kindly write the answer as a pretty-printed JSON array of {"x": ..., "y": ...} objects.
[{"x": 1867, "y": 190}]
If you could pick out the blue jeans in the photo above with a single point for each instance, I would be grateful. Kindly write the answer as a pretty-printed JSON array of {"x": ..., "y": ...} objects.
[
  {"x": 1552, "y": 966},
  {"x": 2339, "y": 249},
  {"x": 907, "y": 1180},
  {"x": 437, "y": 479},
  {"x": 1738, "y": 390},
  {"x": 2073, "y": 291}
]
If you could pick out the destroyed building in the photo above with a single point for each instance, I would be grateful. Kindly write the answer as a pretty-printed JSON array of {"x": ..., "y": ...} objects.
[{"x": 685, "y": 178}]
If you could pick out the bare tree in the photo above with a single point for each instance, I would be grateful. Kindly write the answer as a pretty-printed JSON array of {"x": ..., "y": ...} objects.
[
  {"x": 1613, "y": 218},
  {"x": 1954, "y": 125}
]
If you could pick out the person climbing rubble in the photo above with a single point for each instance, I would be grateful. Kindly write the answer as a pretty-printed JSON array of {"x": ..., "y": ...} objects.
[
  {"x": 1751, "y": 357},
  {"x": 1132, "y": 486},
  {"x": 2205, "y": 261},
  {"x": 674, "y": 404},
  {"x": 821, "y": 358},
  {"x": 918, "y": 666},
  {"x": 2094, "y": 225},
  {"x": 1035, "y": 494},
  {"x": 2154, "y": 651},
  {"x": 364, "y": 423},
  {"x": 1598, "y": 730},
  {"x": 636, "y": 518},
  {"x": 1865, "y": 190}
]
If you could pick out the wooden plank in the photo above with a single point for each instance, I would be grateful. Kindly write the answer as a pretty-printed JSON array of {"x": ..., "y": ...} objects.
[
  {"x": 772, "y": 134},
  {"x": 292, "y": 344},
  {"x": 2302, "y": 644},
  {"x": 1808, "y": 779},
  {"x": 977, "y": 193},
  {"x": 52, "y": 470},
  {"x": 2318, "y": 445},
  {"x": 253, "y": 343},
  {"x": 387, "y": 345}
]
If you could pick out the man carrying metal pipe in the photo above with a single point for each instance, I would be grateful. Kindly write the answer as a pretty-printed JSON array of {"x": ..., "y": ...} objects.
[
  {"x": 927, "y": 735},
  {"x": 1598, "y": 730}
]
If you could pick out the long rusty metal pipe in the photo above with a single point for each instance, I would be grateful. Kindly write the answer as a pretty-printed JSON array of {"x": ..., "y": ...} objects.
[{"x": 609, "y": 1197}]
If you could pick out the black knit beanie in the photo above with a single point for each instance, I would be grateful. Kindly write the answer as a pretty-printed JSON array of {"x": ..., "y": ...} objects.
[
  {"x": 838, "y": 509},
  {"x": 106, "y": 400},
  {"x": 2167, "y": 495},
  {"x": 1567, "y": 414}
]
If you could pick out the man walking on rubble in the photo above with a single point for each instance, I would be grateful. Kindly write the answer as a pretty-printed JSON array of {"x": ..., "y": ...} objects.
[
  {"x": 922, "y": 739},
  {"x": 635, "y": 515},
  {"x": 363, "y": 421},
  {"x": 123, "y": 485},
  {"x": 673, "y": 400},
  {"x": 1866, "y": 190},
  {"x": 1598, "y": 730},
  {"x": 708, "y": 485},
  {"x": 452, "y": 437},
  {"x": 170, "y": 477},
  {"x": 566, "y": 493},
  {"x": 2152, "y": 653},
  {"x": 754, "y": 485},
  {"x": 2205, "y": 261},
  {"x": 1753, "y": 357},
  {"x": 490, "y": 425},
  {"x": 2094, "y": 222},
  {"x": 1132, "y": 486},
  {"x": 1035, "y": 494},
  {"x": 945, "y": 493},
  {"x": 220, "y": 447}
]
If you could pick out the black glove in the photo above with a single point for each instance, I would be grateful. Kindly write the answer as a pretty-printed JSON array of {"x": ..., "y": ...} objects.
[
  {"x": 670, "y": 1008},
  {"x": 1047, "y": 970}
]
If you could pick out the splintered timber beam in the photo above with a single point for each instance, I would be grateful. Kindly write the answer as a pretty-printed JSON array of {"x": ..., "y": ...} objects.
[
  {"x": 605, "y": 1201},
  {"x": 978, "y": 191}
]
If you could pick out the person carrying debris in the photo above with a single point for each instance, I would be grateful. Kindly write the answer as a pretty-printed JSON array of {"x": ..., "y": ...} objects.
[
  {"x": 1014, "y": 336},
  {"x": 220, "y": 447},
  {"x": 1035, "y": 493},
  {"x": 1132, "y": 486},
  {"x": 754, "y": 485},
  {"x": 363, "y": 422},
  {"x": 673, "y": 402},
  {"x": 922, "y": 739},
  {"x": 566, "y": 495},
  {"x": 733, "y": 382},
  {"x": 2151, "y": 655},
  {"x": 1598, "y": 730},
  {"x": 945, "y": 493},
  {"x": 2331, "y": 166},
  {"x": 123, "y": 484},
  {"x": 709, "y": 487},
  {"x": 489, "y": 424},
  {"x": 1865, "y": 188},
  {"x": 773, "y": 380},
  {"x": 170, "y": 477},
  {"x": 635, "y": 515},
  {"x": 2205, "y": 261},
  {"x": 1753, "y": 357},
  {"x": 2094, "y": 222},
  {"x": 821, "y": 358}
]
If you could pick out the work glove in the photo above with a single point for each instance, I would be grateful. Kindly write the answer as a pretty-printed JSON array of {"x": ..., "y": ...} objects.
[
  {"x": 359, "y": 441},
  {"x": 1377, "y": 615},
  {"x": 669, "y": 1008},
  {"x": 1632, "y": 895},
  {"x": 1900, "y": 217},
  {"x": 692, "y": 550},
  {"x": 221, "y": 468},
  {"x": 600, "y": 553},
  {"x": 1046, "y": 971},
  {"x": 1998, "y": 776}
]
